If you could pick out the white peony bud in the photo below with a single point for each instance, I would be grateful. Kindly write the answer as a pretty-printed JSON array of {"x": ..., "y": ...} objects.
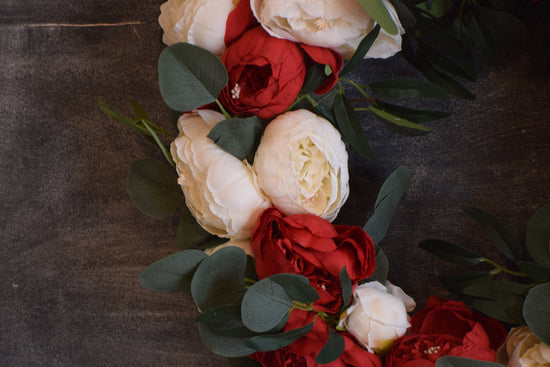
[
  {"x": 378, "y": 315},
  {"x": 243, "y": 244},
  {"x": 199, "y": 22},
  {"x": 336, "y": 24},
  {"x": 302, "y": 165},
  {"x": 220, "y": 191},
  {"x": 523, "y": 349}
]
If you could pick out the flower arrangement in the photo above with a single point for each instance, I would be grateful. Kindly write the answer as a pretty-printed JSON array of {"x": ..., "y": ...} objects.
[{"x": 261, "y": 161}]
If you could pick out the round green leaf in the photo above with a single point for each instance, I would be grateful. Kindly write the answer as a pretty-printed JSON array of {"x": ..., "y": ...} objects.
[
  {"x": 269, "y": 342},
  {"x": 190, "y": 76},
  {"x": 332, "y": 349},
  {"x": 219, "y": 279},
  {"x": 504, "y": 310},
  {"x": 296, "y": 287},
  {"x": 264, "y": 305},
  {"x": 536, "y": 311},
  {"x": 153, "y": 188},
  {"x": 238, "y": 136},
  {"x": 173, "y": 273},
  {"x": 226, "y": 346}
]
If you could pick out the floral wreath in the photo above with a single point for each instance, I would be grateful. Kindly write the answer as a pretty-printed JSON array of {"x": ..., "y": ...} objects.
[{"x": 261, "y": 159}]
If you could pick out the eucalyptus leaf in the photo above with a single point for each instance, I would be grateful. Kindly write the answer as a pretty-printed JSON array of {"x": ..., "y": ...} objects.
[
  {"x": 382, "y": 267},
  {"x": 538, "y": 236},
  {"x": 347, "y": 288},
  {"x": 386, "y": 203},
  {"x": 191, "y": 235},
  {"x": 537, "y": 313},
  {"x": 219, "y": 279},
  {"x": 399, "y": 124},
  {"x": 350, "y": 127},
  {"x": 153, "y": 188},
  {"x": 270, "y": 342},
  {"x": 450, "y": 252},
  {"x": 363, "y": 48},
  {"x": 173, "y": 273},
  {"x": 190, "y": 76},
  {"x": 315, "y": 76},
  {"x": 377, "y": 11},
  {"x": 452, "y": 361},
  {"x": 539, "y": 273},
  {"x": 332, "y": 349},
  {"x": 238, "y": 136},
  {"x": 226, "y": 346},
  {"x": 296, "y": 286},
  {"x": 457, "y": 282},
  {"x": 225, "y": 313},
  {"x": 498, "y": 290},
  {"x": 264, "y": 305},
  {"x": 504, "y": 310},
  {"x": 418, "y": 116},
  {"x": 497, "y": 232},
  {"x": 407, "y": 88}
]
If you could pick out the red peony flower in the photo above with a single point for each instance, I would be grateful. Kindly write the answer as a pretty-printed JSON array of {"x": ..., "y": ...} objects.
[
  {"x": 303, "y": 351},
  {"x": 446, "y": 328},
  {"x": 267, "y": 73},
  {"x": 311, "y": 246}
]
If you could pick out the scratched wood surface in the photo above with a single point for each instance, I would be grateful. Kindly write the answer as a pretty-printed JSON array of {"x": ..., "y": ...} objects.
[{"x": 73, "y": 246}]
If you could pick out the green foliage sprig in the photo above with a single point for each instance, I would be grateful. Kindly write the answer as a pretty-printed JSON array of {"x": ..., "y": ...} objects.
[{"x": 523, "y": 300}]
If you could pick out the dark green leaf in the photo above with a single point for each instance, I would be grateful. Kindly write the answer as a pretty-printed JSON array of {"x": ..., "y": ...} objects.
[
  {"x": 139, "y": 111},
  {"x": 190, "y": 76},
  {"x": 418, "y": 116},
  {"x": 269, "y": 342},
  {"x": 438, "y": 8},
  {"x": 226, "y": 346},
  {"x": 407, "y": 88},
  {"x": 173, "y": 273},
  {"x": 539, "y": 273},
  {"x": 192, "y": 235},
  {"x": 238, "y": 136},
  {"x": 451, "y": 361},
  {"x": 537, "y": 313},
  {"x": 382, "y": 267},
  {"x": 450, "y": 252},
  {"x": 264, "y": 305},
  {"x": 132, "y": 123},
  {"x": 386, "y": 203},
  {"x": 219, "y": 279},
  {"x": 538, "y": 236},
  {"x": 315, "y": 76},
  {"x": 457, "y": 282},
  {"x": 399, "y": 124},
  {"x": 509, "y": 31},
  {"x": 153, "y": 188},
  {"x": 504, "y": 310},
  {"x": 446, "y": 82},
  {"x": 220, "y": 314},
  {"x": 347, "y": 288},
  {"x": 333, "y": 348},
  {"x": 350, "y": 127},
  {"x": 480, "y": 35},
  {"x": 362, "y": 50},
  {"x": 497, "y": 232},
  {"x": 377, "y": 11},
  {"x": 407, "y": 18},
  {"x": 296, "y": 287},
  {"x": 498, "y": 290},
  {"x": 445, "y": 63}
]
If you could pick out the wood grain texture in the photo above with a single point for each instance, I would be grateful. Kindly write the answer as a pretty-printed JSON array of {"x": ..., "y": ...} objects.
[{"x": 73, "y": 246}]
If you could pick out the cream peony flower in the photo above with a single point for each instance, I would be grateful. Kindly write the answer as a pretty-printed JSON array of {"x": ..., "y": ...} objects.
[
  {"x": 199, "y": 22},
  {"x": 378, "y": 315},
  {"x": 336, "y": 24},
  {"x": 302, "y": 165},
  {"x": 523, "y": 349},
  {"x": 243, "y": 244},
  {"x": 220, "y": 191}
]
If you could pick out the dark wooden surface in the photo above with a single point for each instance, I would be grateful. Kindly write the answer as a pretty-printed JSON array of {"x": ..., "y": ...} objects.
[{"x": 72, "y": 245}]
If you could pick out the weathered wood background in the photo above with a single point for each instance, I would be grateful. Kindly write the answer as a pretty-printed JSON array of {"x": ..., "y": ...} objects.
[{"x": 72, "y": 245}]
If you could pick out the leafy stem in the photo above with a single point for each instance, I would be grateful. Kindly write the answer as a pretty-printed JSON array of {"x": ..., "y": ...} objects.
[
  {"x": 358, "y": 87},
  {"x": 222, "y": 108},
  {"x": 500, "y": 268},
  {"x": 331, "y": 320},
  {"x": 164, "y": 150}
]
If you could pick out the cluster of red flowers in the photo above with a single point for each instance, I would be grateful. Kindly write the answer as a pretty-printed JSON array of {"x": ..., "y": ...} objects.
[{"x": 313, "y": 247}]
